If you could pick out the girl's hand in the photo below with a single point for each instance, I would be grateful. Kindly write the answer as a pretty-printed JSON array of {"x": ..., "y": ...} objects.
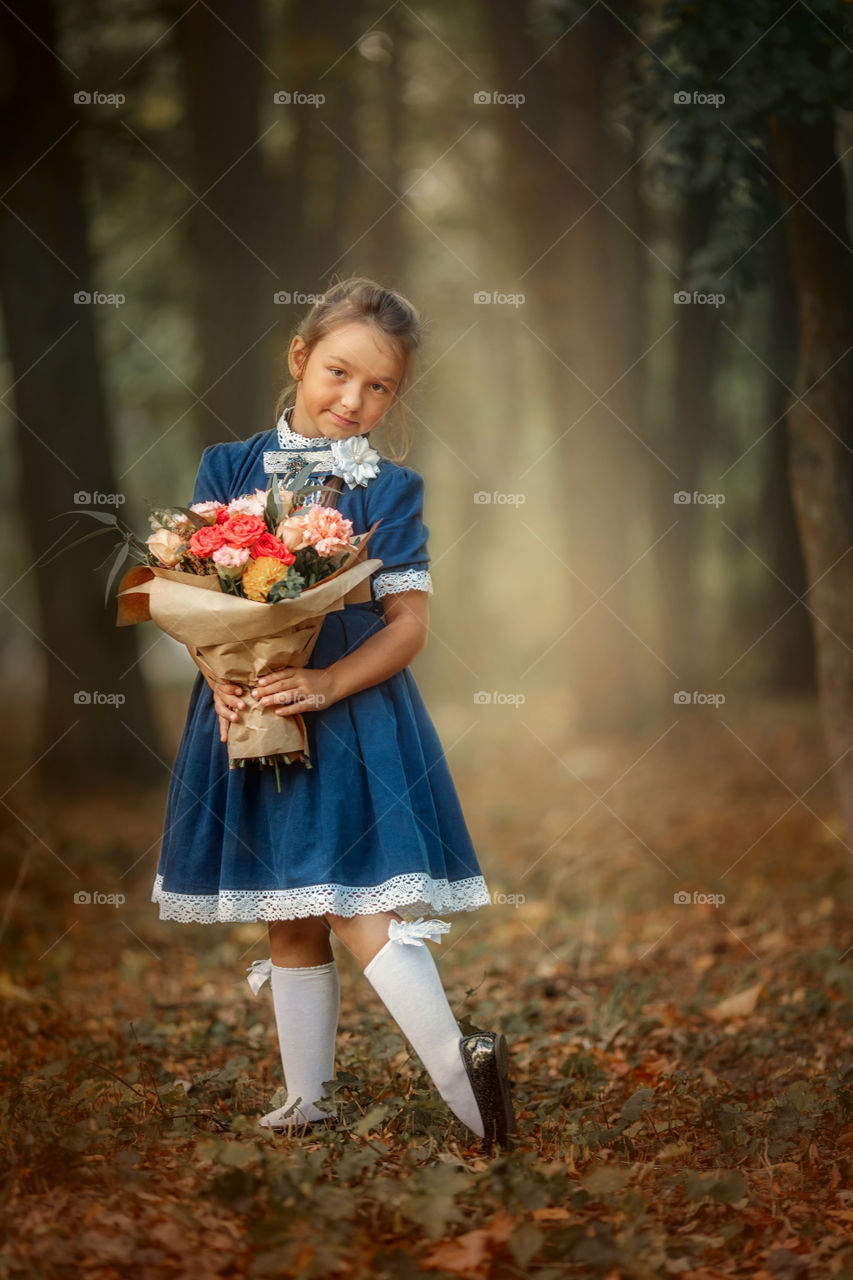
[
  {"x": 227, "y": 703},
  {"x": 291, "y": 690}
]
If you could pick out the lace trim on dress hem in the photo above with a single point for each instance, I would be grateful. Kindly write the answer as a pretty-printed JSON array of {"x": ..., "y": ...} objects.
[
  {"x": 402, "y": 580},
  {"x": 415, "y": 891}
]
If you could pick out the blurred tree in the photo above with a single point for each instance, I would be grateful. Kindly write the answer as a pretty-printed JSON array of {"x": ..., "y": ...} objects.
[
  {"x": 577, "y": 274},
  {"x": 64, "y": 433},
  {"x": 783, "y": 78}
]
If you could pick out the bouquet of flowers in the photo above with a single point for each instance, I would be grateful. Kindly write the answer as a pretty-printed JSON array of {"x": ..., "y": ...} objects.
[{"x": 247, "y": 584}]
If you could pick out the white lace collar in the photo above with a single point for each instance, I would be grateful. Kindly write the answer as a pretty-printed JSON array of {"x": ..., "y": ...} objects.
[
  {"x": 353, "y": 459},
  {"x": 288, "y": 439}
]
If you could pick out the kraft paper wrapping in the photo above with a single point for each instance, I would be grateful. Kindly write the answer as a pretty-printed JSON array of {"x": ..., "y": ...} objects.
[{"x": 239, "y": 640}]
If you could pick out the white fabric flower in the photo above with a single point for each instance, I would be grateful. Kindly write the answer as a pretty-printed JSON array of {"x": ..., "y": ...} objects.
[{"x": 355, "y": 460}]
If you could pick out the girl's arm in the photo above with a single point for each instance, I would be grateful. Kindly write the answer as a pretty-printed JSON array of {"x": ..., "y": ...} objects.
[{"x": 381, "y": 656}]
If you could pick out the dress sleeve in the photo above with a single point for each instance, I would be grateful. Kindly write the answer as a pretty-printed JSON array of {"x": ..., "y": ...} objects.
[
  {"x": 213, "y": 477},
  {"x": 400, "y": 541}
]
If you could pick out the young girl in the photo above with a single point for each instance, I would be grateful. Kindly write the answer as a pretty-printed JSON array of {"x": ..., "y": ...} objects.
[{"x": 374, "y": 826}]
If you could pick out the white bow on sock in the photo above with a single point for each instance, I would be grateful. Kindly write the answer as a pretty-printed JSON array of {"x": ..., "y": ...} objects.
[
  {"x": 407, "y": 981},
  {"x": 307, "y": 1003}
]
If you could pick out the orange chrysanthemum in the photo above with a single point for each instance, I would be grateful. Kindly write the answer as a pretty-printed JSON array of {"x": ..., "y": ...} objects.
[{"x": 259, "y": 576}]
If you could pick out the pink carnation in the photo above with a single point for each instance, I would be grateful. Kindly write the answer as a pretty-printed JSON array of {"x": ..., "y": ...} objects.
[
  {"x": 231, "y": 557},
  {"x": 325, "y": 529}
]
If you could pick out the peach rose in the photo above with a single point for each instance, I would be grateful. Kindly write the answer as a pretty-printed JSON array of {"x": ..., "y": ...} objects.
[
  {"x": 166, "y": 546},
  {"x": 291, "y": 532}
]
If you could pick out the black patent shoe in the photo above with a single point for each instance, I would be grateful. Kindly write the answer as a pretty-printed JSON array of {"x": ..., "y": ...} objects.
[{"x": 486, "y": 1060}]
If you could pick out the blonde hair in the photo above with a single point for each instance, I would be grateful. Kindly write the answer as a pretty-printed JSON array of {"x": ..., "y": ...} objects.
[{"x": 360, "y": 299}]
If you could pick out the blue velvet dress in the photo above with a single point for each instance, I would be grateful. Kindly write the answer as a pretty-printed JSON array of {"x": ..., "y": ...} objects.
[{"x": 375, "y": 824}]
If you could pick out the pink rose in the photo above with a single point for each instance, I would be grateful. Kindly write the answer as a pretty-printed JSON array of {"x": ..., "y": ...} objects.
[
  {"x": 207, "y": 540},
  {"x": 242, "y": 530},
  {"x": 267, "y": 545}
]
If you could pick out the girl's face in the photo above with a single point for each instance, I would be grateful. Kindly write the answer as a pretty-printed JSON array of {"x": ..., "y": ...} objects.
[{"x": 346, "y": 383}]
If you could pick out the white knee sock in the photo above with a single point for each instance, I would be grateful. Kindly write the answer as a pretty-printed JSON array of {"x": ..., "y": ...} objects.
[
  {"x": 307, "y": 1003},
  {"x": 406, "y": 979}
]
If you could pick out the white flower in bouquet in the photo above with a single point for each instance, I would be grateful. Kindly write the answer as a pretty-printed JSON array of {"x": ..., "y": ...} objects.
[{"x": 250, "y": 504}]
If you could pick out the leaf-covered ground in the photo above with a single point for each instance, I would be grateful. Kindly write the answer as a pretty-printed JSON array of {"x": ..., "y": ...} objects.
[{"x": 682, "y": 1070}]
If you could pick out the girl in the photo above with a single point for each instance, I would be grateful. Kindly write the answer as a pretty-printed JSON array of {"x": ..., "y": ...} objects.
[{"x": 374, "y": 825}]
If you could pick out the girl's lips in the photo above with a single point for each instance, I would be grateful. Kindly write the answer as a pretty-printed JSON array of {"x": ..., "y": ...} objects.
[{"x": 342, "y": 422}]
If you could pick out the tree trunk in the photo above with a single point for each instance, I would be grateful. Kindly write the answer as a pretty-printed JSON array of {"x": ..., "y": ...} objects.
[
  {"x": 789, "y": 646},
  {"x": 63, "y": 424},
  {"x": 235, "y": 274},
  {"x": 691, "y": 428},
  {"x": 821, "y": 422}
]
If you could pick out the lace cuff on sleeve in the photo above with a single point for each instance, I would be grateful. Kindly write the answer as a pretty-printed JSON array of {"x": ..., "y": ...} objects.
[{"x": 402, "y": 580}]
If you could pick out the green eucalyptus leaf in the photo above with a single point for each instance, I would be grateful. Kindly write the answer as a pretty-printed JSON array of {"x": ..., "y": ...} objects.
[
  {"x": 88, "y": 511},
  {"x": 76, "y": 543}
]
